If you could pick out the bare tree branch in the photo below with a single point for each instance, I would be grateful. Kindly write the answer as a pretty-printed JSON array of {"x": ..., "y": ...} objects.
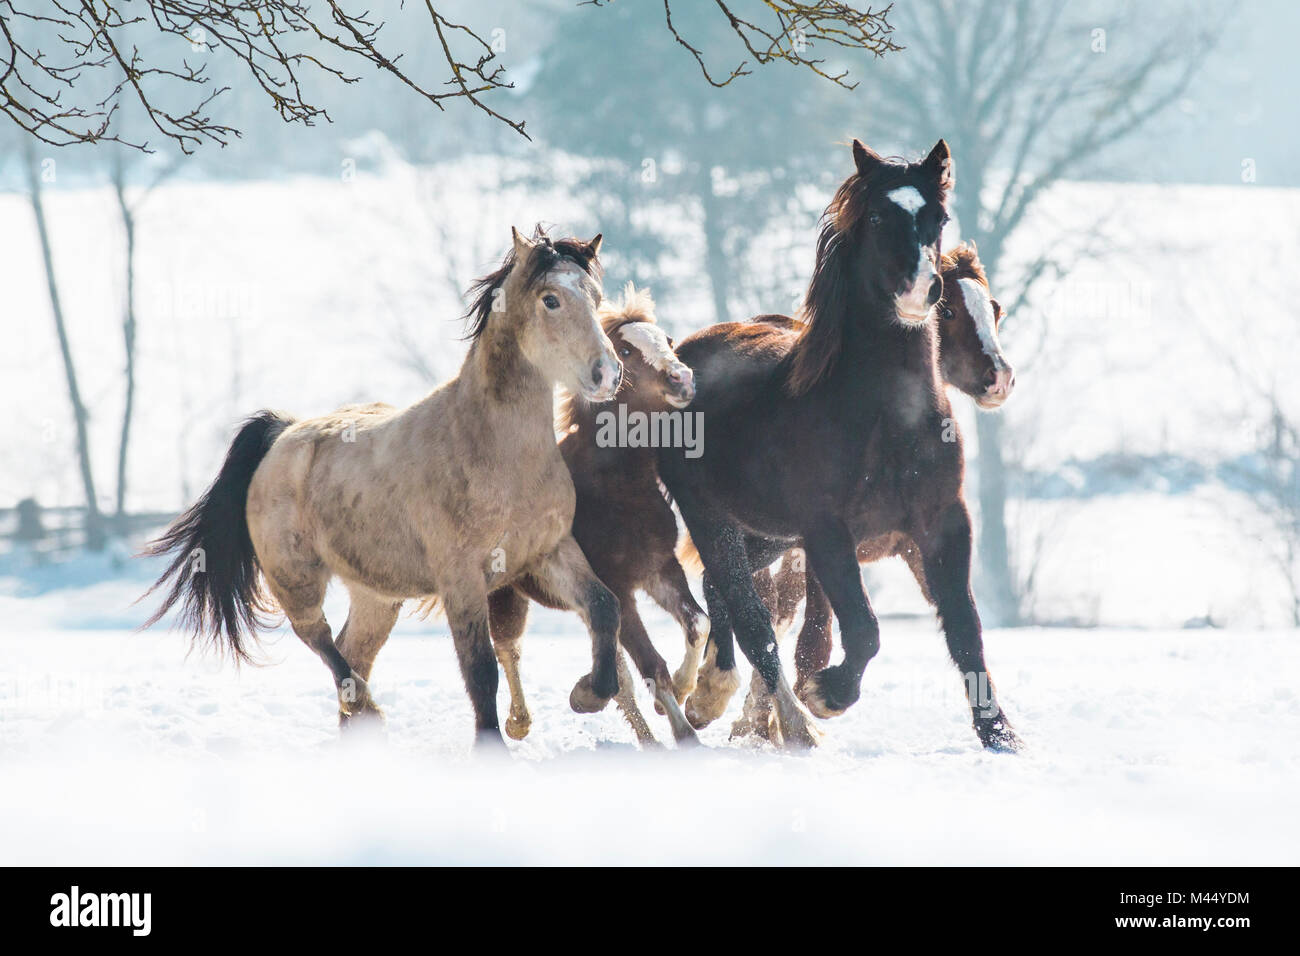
[
  {"x": 793, "y": 27},
  {"x": 54, "y": 53}
]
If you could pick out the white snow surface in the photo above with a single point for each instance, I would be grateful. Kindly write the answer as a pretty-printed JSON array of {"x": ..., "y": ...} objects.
[{"x": 1145, "y": 747}]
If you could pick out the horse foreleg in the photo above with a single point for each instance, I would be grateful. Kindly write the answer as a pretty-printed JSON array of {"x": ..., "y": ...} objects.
[
  {"x": 671, "y": 592},
  {"x": 567, "y": 578},
  {"x": 946, "y": 552},
  {"x": 716, "y": 680},
  {"x": 507, "y": 616},
  {"x": 625, "y": 699},
  {"x": 833, "y": 558},
  {"x": 726, "y": 555},
  {"x": 781, "y": 595},
  {"x": 468, "y": 617},
  {"x": 632, "y": 636}
]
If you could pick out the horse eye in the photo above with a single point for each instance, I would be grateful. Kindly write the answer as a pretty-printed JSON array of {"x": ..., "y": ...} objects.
[
  {"x": 874, "y": 218},
  {"x": 551, "y": 301},
  {"x": 947, "y": 312},
  {"x": 625, "y": 352}
]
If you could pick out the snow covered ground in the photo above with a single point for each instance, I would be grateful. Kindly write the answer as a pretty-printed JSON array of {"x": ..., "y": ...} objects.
[{"x": 1145, "y": 747}]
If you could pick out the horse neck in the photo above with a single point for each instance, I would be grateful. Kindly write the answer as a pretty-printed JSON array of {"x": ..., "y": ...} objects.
[
  {"x": 498, "y": 375},
  {"x": 877, "y": 350}
]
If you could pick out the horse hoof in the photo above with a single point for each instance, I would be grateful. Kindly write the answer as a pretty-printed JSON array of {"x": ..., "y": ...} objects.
[
  {"x": 364, "y": 718},
  {"x": 687, "y": 741},
  {"x": 489, "y": 742},
  {"x": 802, "y": 737},
  {"x": 997, "y": 736},
  {"x": 742, "y": 727},
  {"x": 794, "y": 730},
  {"x": 758, "y": 727},
  {"x": 830, "y": 692},
  {"x": 712, "y": 694},
  {"x": 583, "y": 699},
  {"x": 517, "y": 727},
  {"x": 683, "y": 686}
]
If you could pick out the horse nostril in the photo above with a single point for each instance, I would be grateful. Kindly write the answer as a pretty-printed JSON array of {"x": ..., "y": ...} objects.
[
  {"x": 597, "y": 373},
  {"x": 936, "y": 292},
  {"x": 990, "y": 379}
]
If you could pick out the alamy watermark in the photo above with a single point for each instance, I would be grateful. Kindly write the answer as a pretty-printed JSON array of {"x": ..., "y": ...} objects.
[{"x": 637, "y": 429}]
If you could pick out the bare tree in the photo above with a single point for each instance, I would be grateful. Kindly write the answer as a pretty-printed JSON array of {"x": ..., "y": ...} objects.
[
  {"x": 128, "y": 207},
  {"x": 69, "y": 66},
  {"x": 1027, "y": 93},
  {"x": 1271, "y": 477},
  {"x": 95, "y": 537}
]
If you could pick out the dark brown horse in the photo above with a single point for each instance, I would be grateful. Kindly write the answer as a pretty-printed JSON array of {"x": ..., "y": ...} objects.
[
  {"x": 622, "y": 521},
  {"x": 837, "y": 434},
  {"x": 970, "y": 360}
]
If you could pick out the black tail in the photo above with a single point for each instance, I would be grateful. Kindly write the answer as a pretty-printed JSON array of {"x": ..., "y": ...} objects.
[{"x": 214, "y": 573}]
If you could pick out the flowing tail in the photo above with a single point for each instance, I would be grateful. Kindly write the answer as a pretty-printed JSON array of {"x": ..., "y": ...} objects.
[{"x": 215, "y": 575}]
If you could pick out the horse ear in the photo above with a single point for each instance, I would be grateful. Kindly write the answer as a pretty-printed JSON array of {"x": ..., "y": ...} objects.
[
  {"x": 865, "y": 158},
  {"x": 593, "y": 247},
  {"x": 939, "y": 162},
  {"x": 523, "y": 245}
]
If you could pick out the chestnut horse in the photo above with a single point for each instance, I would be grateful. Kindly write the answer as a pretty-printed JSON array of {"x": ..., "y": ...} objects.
[
  {"x": 461, "y": 493},
  {"x": 837, "y": 435},
  {"x": 970, "y": 360},
  {"x": 622, "y": 522}
]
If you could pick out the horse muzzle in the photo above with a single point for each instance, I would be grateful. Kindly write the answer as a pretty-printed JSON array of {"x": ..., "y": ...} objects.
[
  {"x": 998, "y": 385},
  {"x": 681, "y": 387},
  {"x": 603, "y": 380}
]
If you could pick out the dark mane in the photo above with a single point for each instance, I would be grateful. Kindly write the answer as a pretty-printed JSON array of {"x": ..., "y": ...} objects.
[
  {"x": 832, "y": 287},
  {"x": 546, "y": 255}
]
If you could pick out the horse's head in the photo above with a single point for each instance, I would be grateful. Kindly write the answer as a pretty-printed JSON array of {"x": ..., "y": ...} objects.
[
  {"x": 654, "y": 378},
  {"x": 895, "y": 213},
  {"x": 970, "y": 355},
  {"x": 548, "y": 295}
]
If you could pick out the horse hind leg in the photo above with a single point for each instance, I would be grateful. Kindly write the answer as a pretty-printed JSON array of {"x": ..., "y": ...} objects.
[
  {"x": 297, "y": 580},
  {"x": 671, "y": 592},
  {"x": 625, "y": 699},
  {"x": 507, "y": 616},
  {"x": 370, "y": 621}
]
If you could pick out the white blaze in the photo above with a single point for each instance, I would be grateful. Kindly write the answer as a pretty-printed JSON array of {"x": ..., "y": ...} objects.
[
  {"x": 980, "y": 306},
  {"x": 908, "y": 197},
  {"x": 652, "y": 342},
  {"x": 913, "y": 305}
]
